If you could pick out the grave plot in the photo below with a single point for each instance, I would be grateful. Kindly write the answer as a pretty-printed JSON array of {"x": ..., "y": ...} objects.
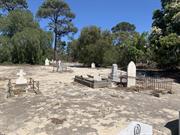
[
  {"x": 93, "y": 82},
  {"x": 155, "y": 85},
  {"x": 22, "y": 85},
  {"x": 57, "y": 66}
]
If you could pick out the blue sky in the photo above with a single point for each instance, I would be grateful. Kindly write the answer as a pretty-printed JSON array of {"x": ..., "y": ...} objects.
[{"x": 107, "y": 13}]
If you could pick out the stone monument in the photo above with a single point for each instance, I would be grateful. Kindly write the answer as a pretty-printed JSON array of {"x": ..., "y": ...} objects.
[
  {"x": 131, "y": 72},
  {"x": 114, "y": 73},
  {"x": 137, "y": 128},
  {"x": 93, "y": 65},
  {"x": 21, "y": 80},
  {"x": 46, "y": 62}
]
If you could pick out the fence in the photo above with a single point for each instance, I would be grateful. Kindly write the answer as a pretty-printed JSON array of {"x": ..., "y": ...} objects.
[{"x": 155, "y": 83}]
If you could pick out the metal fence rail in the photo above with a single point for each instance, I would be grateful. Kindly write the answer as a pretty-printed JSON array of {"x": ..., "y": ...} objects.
[{"x": 155, "y": 83}]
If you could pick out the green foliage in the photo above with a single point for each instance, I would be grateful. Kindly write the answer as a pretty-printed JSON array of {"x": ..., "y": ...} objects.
[
  {"x": 60, "y": 16},
  {"x": 10, "y": 5},
  {"x": 92, "y": 45},
  {"x": 130, "y": 45},
  {"x": 26, "y": 41},
  {"x": 16, "y": 21},
  {"x": 21, "y": 39},
  {"x": 123, "y": 27},
  {"x": 110, "y": 56},
  {"x": 168, "y": 51},
  {"x": 5, "y": 50},
  {"x": 105, "y": 48},
  {"x": 165, "y": 34}
]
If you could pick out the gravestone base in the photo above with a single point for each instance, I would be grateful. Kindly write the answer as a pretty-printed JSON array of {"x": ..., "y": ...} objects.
[{"x": 92, "y": 83}]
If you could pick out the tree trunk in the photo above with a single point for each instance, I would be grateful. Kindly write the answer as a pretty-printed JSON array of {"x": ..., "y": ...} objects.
[{"x": 55, "y": 46}]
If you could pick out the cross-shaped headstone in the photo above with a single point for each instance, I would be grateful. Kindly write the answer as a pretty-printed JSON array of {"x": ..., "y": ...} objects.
[
  {"x": 21, "y": 73},
  {"x": 21, "y": 79}
]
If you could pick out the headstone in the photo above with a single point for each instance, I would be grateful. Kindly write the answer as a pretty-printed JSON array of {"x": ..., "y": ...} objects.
[
  {"x": 114, "y": 73},
  {"x": 93, "y": 65},
  {"x": 21, "y": 80},
  {"x": 46, "y": 62},
  {"x": 59, "y": 66},
  {"x": 137, "y": 128},
  {"x": 131, "y": 72}
]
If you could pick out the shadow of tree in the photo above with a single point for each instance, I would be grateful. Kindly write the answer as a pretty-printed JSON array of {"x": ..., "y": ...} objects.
[{"x": 173, "y": 126}]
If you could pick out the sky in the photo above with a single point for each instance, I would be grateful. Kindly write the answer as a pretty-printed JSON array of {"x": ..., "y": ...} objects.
[{"x": 107, "y": 13}]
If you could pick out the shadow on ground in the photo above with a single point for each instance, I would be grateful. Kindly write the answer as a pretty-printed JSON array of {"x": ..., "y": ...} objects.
[{"x": 173, "y": 126}]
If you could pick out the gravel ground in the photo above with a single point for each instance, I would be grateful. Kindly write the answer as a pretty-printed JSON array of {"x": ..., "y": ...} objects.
[{"x": 68, "y": 108}]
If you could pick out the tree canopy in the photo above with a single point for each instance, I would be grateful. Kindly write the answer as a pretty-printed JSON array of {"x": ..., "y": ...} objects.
[
  {"x": 20, "y": 33},
  {"x": 165, "y": 35},
  {"x": 21, "y": 38},
  {"x": 60, "y": 16},
  {"x": 10, "y": 5}
]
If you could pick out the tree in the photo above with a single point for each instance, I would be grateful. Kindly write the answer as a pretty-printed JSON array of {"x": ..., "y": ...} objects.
[
  {"x": 130, "y": 45},
  {"x": 123, "y": 27},
  {"x": 20, "y": 34},
  {"x": 27, "y": 40},
  {"x": 166, "y": 27},
  {"x": 60, "y": 16},
  {"x": 72, "y": 50},
  {"x": 10, "y": 5},
  {"x": 16, "y": 21},
  {"x": 93, "y": 45},
  {"x": 5, "y": 49}
]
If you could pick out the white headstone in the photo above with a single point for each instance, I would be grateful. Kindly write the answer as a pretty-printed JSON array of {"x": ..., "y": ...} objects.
[
  {"x": 59, "y": 66},
  {"x": 137, "y": 128},
  {"x": 21, "y": 79},
  {"x": 114, "y": 73},
  {"x": 131, "y": 72},
  {"x": 93, "y": 65},
  {"x": 46, "y": 62}
]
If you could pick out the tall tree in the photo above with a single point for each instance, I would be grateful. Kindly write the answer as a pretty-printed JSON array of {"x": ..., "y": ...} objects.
[
  {"x": 9, "y": 5},
  {"x": 16, "y": 21},
  {"x": 93, "y": 45},
  {"x": 19, "y": 35},
  {"x": 60, "y": 16},
  {"x": 123, "y": 27},
  {"x": 166, "y": 27},
  {"x": 129, "y": 44},
  {"x": 122, "y": 32}
]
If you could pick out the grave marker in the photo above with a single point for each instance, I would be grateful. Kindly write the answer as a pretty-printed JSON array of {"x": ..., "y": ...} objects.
[
  {"x": 93, "y": 65},
  {"x": 114, "y": 73},
  {"x": 137, "y": 128},
  {"x": 46, "y": 62},
  {"x": 21, "y": 80},
  {"x": 131, "y": 72}
]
